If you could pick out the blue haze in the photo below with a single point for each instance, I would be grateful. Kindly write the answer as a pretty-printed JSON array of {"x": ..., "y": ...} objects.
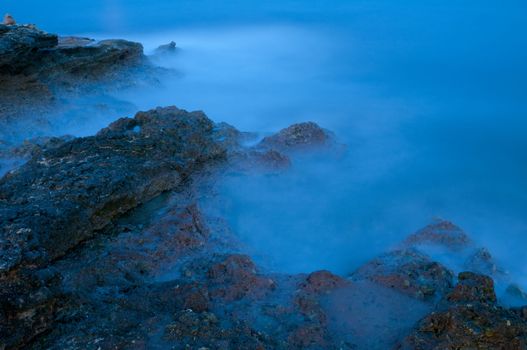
[{"x": 431, "y": 98}]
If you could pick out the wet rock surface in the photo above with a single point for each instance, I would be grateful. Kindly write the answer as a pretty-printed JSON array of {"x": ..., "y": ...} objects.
[
  {"x": 66, "y": 194},
  {"x": 302, "y": 137},
  {"x": 105, "y": 244},
  {"x": 43, "y": 75},
  {"x": 471, "y": 319},
  {"x": 409, "y": 272},
  {"x": 94, "y": 254}
]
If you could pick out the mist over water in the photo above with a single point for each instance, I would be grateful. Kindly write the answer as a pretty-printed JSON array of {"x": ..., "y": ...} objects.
[{"x": 431, "y": 99}]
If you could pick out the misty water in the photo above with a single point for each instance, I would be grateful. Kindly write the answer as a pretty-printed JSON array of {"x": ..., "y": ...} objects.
[{"x": 430, "y": 97}]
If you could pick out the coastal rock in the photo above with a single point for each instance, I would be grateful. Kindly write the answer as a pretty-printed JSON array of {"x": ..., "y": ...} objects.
[
  {"x": 472, "y": 287},
  {"x": 31, "y": 51},
  {"x": 235, "y": 277},
  {"x": 447, "y": 243},
  {"x": 37, "y": 68},
  {"x": 80, "y": 186},
  {"x": 440, "y": 233},
  {"x": 102, "y": 60},
  {"x": 204, "y": 331},
  {"x": 471, "y": 320},
  {"x": 21, "y": 48},
  {"x": 301, "y": 137},
  {"x": 410, "y": 272},
  {"x": 321, "y": 282},
  {"x": 66, "y": 194},
  {"x": 314, "y": 331},
  {"x": 167, "y": 49},
  {"x": 469, "y": 327}
]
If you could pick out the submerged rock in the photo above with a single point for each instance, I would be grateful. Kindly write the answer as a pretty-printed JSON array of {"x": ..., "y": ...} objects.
[{"x": 167, "y": 49}]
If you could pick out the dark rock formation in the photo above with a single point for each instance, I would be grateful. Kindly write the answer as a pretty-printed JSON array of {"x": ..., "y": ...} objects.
[
  {"x": 471, "y": 320},
  {"x": 29, "y": 51},
  {"x": 409, "y": 272},
  {"x": 64, "y": 195},
  {"x": 442, "y": 238},
  {"x": 321, "y": 282},
  {"x": 79, "y": 270},
  {"x": 302, "y": 137},
  {"x": 20, "y": 48},
  {"x": 82, "y": 185},
  {"x": 440, "y": 233},
  {"x": 37, "y": 67},
  {"x": 472, "y": 287}
]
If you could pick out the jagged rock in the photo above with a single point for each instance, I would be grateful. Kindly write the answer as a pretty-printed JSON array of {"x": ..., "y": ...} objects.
[
  {"x": 257, "y": 161},
  {"x": 73, "y": 64},
  {"x": 21, "y": 48},
  {"x": 470, "y": 320},
  {"x": 441, "y": 233},
  {"x": 34, "y": 147},
  {"x": 449, "y": 244},
  {"x": 204, "y": 331},
  {"x": 82, "y": 185},
  {"x": 37, "y": 67},
  {"x": 314, "y": 331},
  {"x": 470, "y": 327},
  {"x": 28, "y": 50},
  {"x": 409, "y": 272},
  {"x": 472, "y": 287},
  {"x": 320, "y": 282},
  {"x": 74, "y": 41},
  {"x": 301, "y": 137},
  {"x": 235, "y": 277},
  {"x": 66, "y": 194}
]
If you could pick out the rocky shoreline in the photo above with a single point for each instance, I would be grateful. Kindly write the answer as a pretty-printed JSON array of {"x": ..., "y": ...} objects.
[
  {"x": 104, "y": 243},
  {"x": 37, "y": 67}
]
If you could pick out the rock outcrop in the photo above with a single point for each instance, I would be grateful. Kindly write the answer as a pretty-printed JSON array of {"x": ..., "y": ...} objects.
[
  {"x": 409, "y": 272},
  {"x": 60, "y": 267},
  {"x": 66, "y": 194},
  {"x": 36, "y": 68},
  {"x": 302, "y": 137},
  {"x": 470, "y": 319}
]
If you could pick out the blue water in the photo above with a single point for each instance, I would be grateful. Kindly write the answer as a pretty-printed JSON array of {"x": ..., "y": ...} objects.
[{"x": 431, "y": 98}]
